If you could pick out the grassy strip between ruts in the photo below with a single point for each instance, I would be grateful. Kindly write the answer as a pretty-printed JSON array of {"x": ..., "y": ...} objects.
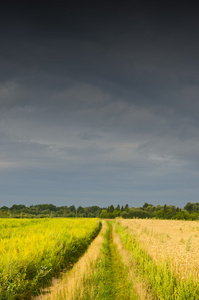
[
  {"x": 111, "y": 276},
  {"x": 159, "y": 277}
]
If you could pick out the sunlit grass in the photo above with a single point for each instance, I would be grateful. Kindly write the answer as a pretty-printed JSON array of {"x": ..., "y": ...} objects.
[
  {"x": 32, "y": 251},
  {"x": 158, "y": 272},
  {"x": 177, "y": 242}
]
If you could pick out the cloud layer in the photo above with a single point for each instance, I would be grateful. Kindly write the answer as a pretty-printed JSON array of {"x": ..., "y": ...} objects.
[{"x": 102, "y": 111}]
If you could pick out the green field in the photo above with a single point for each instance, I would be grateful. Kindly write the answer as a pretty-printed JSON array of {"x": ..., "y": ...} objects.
[
  {"x": 32, "y": 251},
  {"x": 122, "y": 259}
]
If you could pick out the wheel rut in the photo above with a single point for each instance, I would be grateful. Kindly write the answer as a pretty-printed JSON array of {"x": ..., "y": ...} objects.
[{"x": 116, "y": 285}]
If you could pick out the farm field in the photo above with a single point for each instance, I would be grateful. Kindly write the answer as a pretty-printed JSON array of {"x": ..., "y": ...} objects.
[
  {"x": 32, "y": 251},
  {"x": 99, "y": 274},
  {"x": 126, "y": 262},
  {"x": 128, "y": 259},
  {"x": 165, "y": 255},
  {"x": 171, "y": 241}
]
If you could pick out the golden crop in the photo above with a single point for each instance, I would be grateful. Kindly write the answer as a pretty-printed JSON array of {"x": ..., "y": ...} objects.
[{"x": 176, "y": 242}]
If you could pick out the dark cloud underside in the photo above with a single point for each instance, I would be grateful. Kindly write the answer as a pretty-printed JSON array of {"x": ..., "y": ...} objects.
[{"x": 99, "y": 103}]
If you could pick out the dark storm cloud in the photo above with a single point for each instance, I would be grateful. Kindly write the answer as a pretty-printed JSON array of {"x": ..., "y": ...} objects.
[{"x": 99, "y": 100}]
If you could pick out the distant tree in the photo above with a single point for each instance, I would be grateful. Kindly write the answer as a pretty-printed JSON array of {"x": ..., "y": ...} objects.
[
  {"x": 71, "y": 214},
  {"x": 52, "y": 207},
  {"x": 190, "y": 211},
  {"x": 3, "y": 214},
  {"x": 118, "y": 207},
  {"x": 189, "y": 207},
  {"x": 195, "y": 207},
  {"x": 124, "y": 214},
  {"x": 104, "y": 214},
  {"x": 194, "y": 216},
  {"x": 80, "y": 210},
  {"x": 17, "y": 207},
  {"x": 179, "y": 216},
  {"x": 86, "y": 210},
  {"x": 116, "y": 213},
  {"x": 187, "y": 215},
  {"x": 126, "y": 207},
  {"x": 169, "y": 214},
  {"x": 138, "y": 213},
  {"x": 111, "y": 209},
  {"x": 72, "y": 208},
  {"x": 4, "y": 208},
  {"x": 159, "y": 214},
  {"x": 150, "y": 208}
]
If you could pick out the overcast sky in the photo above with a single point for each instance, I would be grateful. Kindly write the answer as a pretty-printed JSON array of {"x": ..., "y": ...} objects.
[{"x": 99, "y": 103}]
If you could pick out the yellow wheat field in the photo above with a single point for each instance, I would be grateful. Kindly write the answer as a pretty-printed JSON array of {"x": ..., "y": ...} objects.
[{"x": 176, "y": 242}]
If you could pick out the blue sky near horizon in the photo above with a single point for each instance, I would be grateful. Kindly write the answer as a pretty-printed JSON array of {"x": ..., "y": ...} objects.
[{"x": 99, "y": 103}]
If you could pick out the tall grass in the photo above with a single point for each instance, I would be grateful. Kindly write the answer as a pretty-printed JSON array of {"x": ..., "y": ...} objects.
[
  {"x": 160, "y": 278},
  {"x": 138, "y": 287},
  {"x": 173, "y": 241},
  {"x": 99, "y": 274},
  {"x": 32, "y": 251},
  {"x": 80, "y": 281}
]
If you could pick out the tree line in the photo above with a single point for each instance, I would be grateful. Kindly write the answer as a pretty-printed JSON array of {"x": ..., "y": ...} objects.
[{"x": 189, "y": 212}]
